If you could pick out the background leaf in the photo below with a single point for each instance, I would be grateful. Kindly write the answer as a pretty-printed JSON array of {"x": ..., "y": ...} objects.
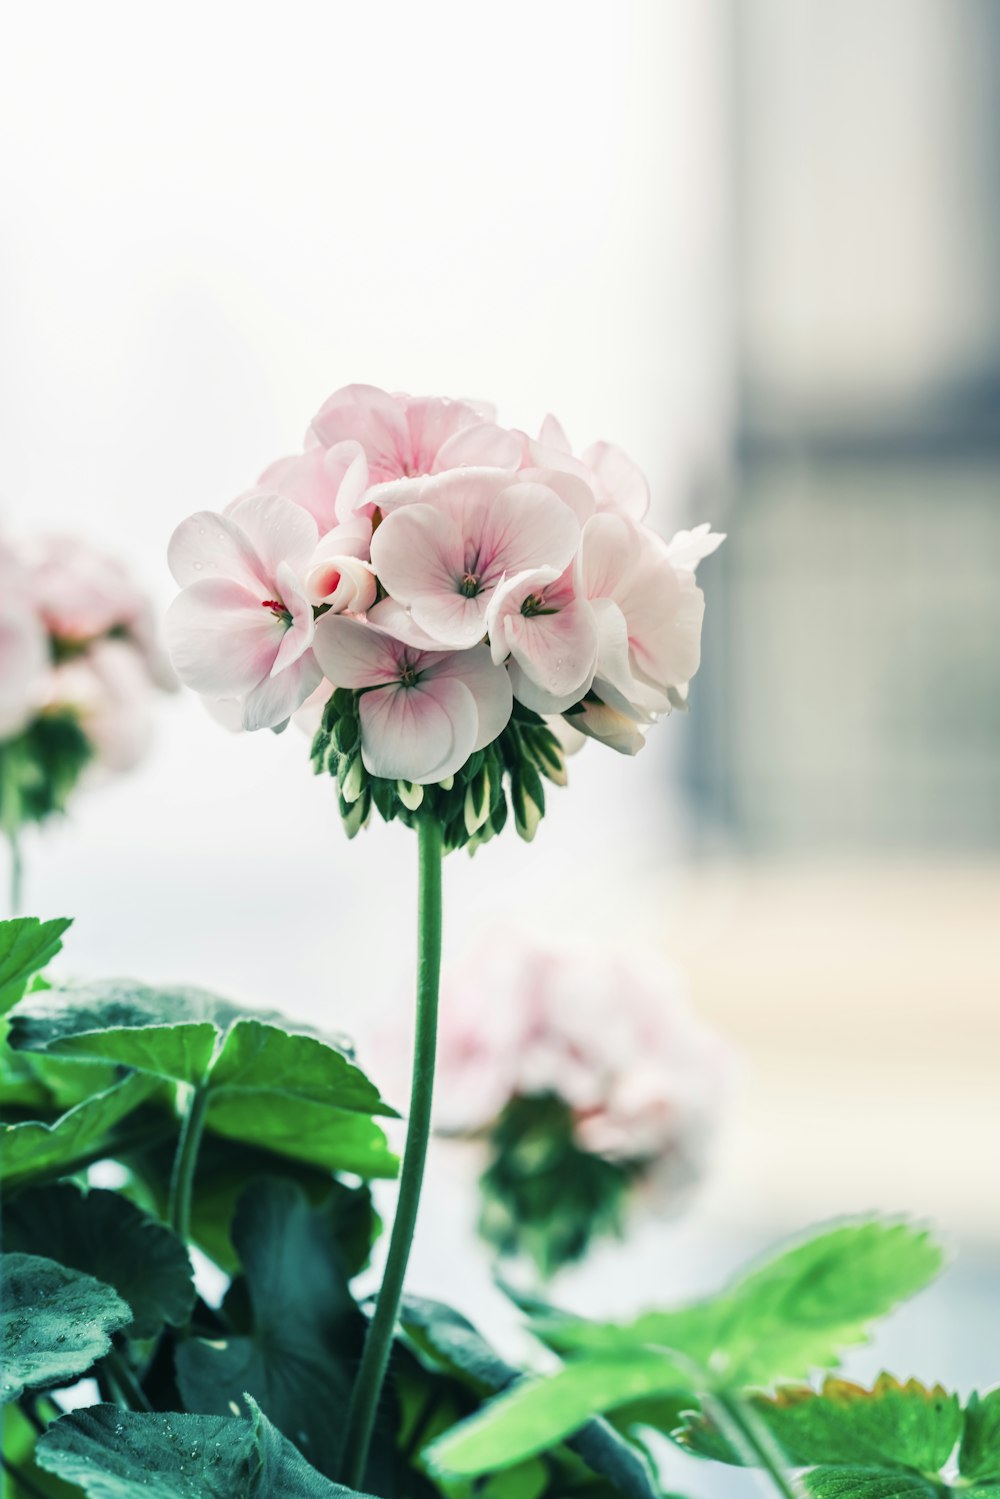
[
  {"x": 113, "y": 1454},
  {"x": 868, "y": 1483},
  {"x": 104, "y": 1235},
  {"x": 979, "y": 1453},
  {"x": 27, "y": 945},
  {"x": 54, "y": 1323},
  {"x": 298, "y": 1355}
]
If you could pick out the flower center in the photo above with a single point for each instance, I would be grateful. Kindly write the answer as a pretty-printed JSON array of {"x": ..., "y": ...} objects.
[
  {"x": 408, "y": 675},
  {"x": 469, "y": 585},
  {"x": 278, "y": 609},
  {"x": 534, "y": 604}
]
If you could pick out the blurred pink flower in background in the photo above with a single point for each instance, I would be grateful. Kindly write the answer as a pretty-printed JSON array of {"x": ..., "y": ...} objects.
[{"x": 611, "y": 1033}]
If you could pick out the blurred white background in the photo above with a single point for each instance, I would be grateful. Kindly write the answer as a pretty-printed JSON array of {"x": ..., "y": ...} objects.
[{"x": 754, "y": 243}]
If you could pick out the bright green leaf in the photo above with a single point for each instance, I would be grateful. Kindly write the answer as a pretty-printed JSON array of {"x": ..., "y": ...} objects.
[
  {"x": 299, "y": 1355},
  {"x": 868, "y": 1483},
  {"x": 538, "y": 1413},
  {"x": 305, "y": 1131},
  {"x": 104, "y": 1235},
  {"x": 893, "y": 1425},
  {"x": 115, "y": 1454},
  {"x": 260, "y": 1057},
  {"x": 75, "y": 1138},
  {"x": 26, "y": 946},
  {"x": 54, "y": 1323},
  {"x": 979, "y": 1454}
]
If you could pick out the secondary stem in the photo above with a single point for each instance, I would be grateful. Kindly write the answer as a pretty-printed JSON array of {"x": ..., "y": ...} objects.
[
  {"x": 185, "y": 1161},
  {"x": 16, "y": 875},
  {"x": 375, "y": 1359},
  {"x": 753, "y": 1442}
]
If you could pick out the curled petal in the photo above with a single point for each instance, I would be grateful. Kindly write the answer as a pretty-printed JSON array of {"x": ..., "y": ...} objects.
[
  {"x": 688, "y": 548},
  {"x": 340, "y": 581},
  {"x": 599, "y": 721}
]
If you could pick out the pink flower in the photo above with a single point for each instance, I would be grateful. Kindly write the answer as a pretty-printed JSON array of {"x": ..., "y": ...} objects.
[
  {"x": 444, "y": 556},
  {"x": 550, "y": 635},
  {"x": 405, "y": 436},
  {"x": 423, "y": 713},
  {"x": 649, "y": 615},
  {"x": 339, "y": 574},
  {"x": 242, "y": 627},
  {"x": 107, "y": 690},
  {"x": 24, "y": 652},
  {"x": 328, "y": 482},
  {"x": 80, "y": 592}
]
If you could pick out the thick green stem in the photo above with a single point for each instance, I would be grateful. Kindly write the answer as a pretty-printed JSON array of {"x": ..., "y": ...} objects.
[
  {"x": 185, "y": 1161},
  {"x": 747, "y": 1433},
  {"x": 374, "y": 1361},
  {"x": 122, "y": 1374}
]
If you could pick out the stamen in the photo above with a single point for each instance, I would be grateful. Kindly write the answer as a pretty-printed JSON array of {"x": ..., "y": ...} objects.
[
  {"x": 276, "y": 607},
  {"x": 469, "y": 585}
]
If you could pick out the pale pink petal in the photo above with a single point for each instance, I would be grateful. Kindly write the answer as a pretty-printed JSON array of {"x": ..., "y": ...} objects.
[
  {"x": 552, "y": 435},
  {"x": 278, "y": 529},
  {"x": 431, "y": 421},
  {"x": 614, "y": 679},
  {"x": 370, "y": 416},
  {"x": 394, "y": 493},
  {"x": 220, "y": 640},
  {"x": 298, "y": 636},
  {"x": 482, "y": 445},
  {"x": 688, "y": 548},
  {"x": 556, "y": 654},
  {"x": 625, "y": 486},
  {"x": 422, "y": 733},
  {"x": 276, "y": 699},
  {"x": 418, "y": 551},
  {"x": 341, "y": 582},
  {"x": 489, "y": 685},
  {"x": 507, "y": 600},
  {"x": 452, "y": 621},
  {"x": 610, "y": 549},
  {"x": 670, "y": 654},
  {"x": 524, "y": 525},
  {"x": 397, "y": 621},
  {"x": 573, "y": 490},
  {"x": 210, "y": 545},
  {"x": 356, "y": 655}
]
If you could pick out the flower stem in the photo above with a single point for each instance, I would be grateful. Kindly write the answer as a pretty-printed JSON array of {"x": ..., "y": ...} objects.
[
  {"x": 185, "y": 1161},
  {"x": 16, "y": 875},
  {"x": 375, "y": 1359},
  {"x": 746, "y": 1432}
]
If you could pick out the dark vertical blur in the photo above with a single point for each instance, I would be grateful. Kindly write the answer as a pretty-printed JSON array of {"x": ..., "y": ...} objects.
[{"x": 850, "y": 694}]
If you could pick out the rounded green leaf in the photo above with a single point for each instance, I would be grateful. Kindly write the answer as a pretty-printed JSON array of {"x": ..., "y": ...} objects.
[
  {"x": 54, "y": 1323},
  {"x": 75, "y": 1138},
  {"x": 26, "y": 946},
  {"x": 104, "y": 1235}
]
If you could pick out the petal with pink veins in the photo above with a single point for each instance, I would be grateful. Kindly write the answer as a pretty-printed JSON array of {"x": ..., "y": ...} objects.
[
  {"x": 365, "y": 414},
  {"x": 278, "y": 530},
  {"x": 482, "y": 445},
  {"x": 397, "y": 621},
  {"x": 221, "y": 641},
  {"x": 299, "y": 633},
  {"x": 356, "y": 655},
  {"x": 555, "y": 656},
  {"x": 422, "y": 733}
]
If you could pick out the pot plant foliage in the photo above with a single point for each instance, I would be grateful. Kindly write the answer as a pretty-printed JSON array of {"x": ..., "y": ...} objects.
[{"x": 248, "y": 1142}]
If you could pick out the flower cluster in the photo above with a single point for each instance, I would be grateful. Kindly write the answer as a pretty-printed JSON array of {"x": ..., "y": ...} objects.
[
  {"x": 440, "y": 569},
  {"x": 78, "y": 666},
  {"x": 588, "y": 1077}
]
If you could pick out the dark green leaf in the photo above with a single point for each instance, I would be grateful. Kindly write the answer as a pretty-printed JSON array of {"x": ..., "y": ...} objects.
[
  {"x": 301, "y": 1350},
  {"x": 106, "y": 1236},
  {"x": 979, "y": 1454},
  {"x": 893, "y": 1425},
  {"x": 54, "y": 1323},
  {"x": 260, "y": 1057},
  {"x": 114, "y": 1454},
  {"x": 36, "y": 1149},
  {"x": 26, "y": 946},
  {"x": 868, "y": 1483}
]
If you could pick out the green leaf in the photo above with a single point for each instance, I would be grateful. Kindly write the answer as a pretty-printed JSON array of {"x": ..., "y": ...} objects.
[
  {"x": 979, "y": 1454},
  {"x": 75, "y": 1138},
  {"x": 299, "y": 1354},
  {"x": 54, "y": 1323},
  {"x": 444, "y": 1335},
  {"x": 297, "y": 1094},
  {"x": 26, "y": 946},
  {"x": 868, "y": 1483},
  {"x": 893, "y": 1425},
  {"x": 114, "y": 1454},
  {"x": 538, "y": 1413},
  {"x": 106, "y": 1236},
  {"x": 783, "y": 1320}
]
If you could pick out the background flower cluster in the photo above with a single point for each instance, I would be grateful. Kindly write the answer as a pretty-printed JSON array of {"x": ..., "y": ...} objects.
[
  {"x": 441, "y": 566},
  {"x": 79, "y": 666}
]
